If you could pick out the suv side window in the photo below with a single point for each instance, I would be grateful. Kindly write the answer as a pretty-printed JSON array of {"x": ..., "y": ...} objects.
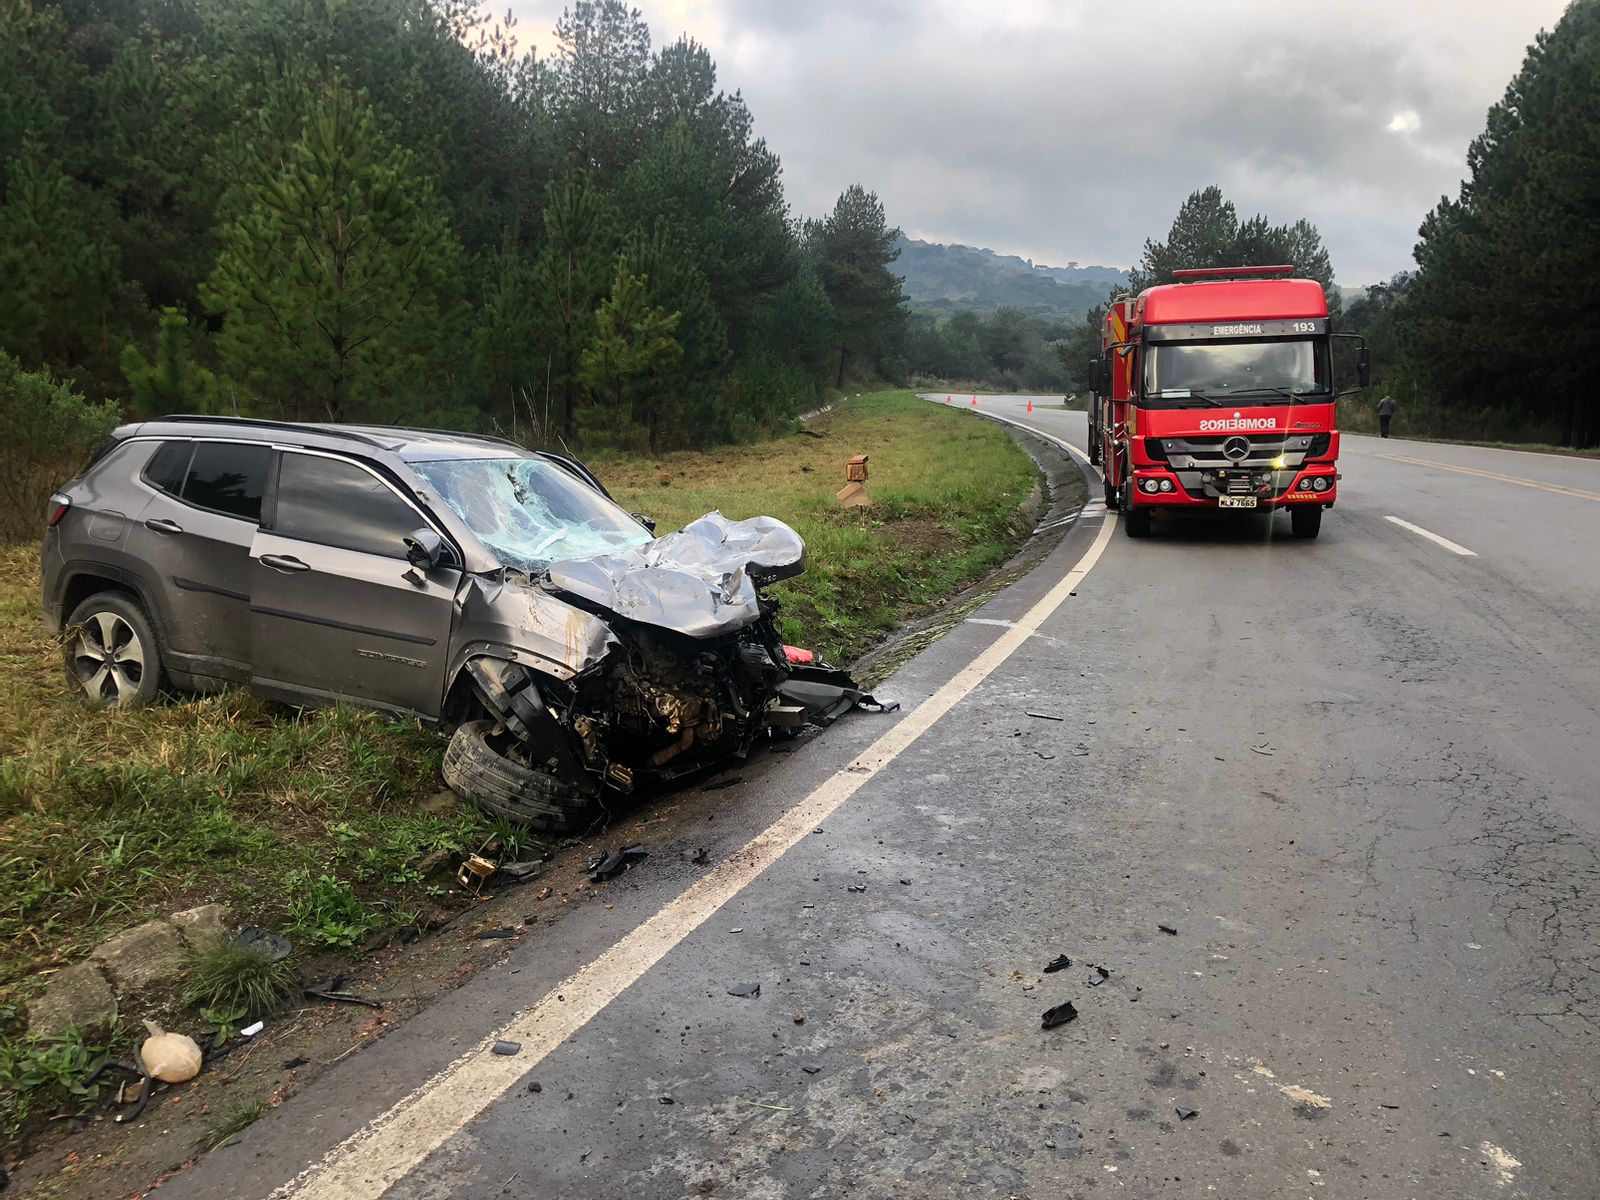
[
  {"x": 167, "y": 467},
  {"x": 336, "y": 503},
  {"x": 228, "y": 477}
]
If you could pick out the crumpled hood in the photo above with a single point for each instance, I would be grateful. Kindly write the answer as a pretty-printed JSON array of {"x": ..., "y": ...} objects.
[{"x": 700, "y": 581}]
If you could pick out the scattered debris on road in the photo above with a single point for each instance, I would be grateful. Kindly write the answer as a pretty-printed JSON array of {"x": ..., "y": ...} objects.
[
  {"x": 610, "y": 863},
  {"x": 521, "y": 872},
  {"x": 1305, "y": 1097},
  {"x": 1059, "y": 1015},
  {"x": 169, "y": 1057},
  {"x": 270, "y": 946},
  {"x": 745, "y": 991},
  {"x": 1168, "y": 929},
  {"x": 1059, "y": 963},
  {"x": 1263, "y": 749},
  {"x": 535, "y": 1087},
  {"x": 1185, "y": 1113},
  {"x": 700, "y": 858},
  {"x": 1044, "y": 716},
  {"x": 489, "y": 935},
  {"x": 1101, "y": 974},
  {"x": 506, "y": 1049}
]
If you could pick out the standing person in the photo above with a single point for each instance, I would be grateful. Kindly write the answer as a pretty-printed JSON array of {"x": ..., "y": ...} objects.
[{"x": 1385, "y": 414}]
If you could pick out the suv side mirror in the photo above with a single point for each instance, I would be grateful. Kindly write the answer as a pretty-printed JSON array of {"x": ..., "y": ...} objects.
[
  {"x": 1363, "y": 367},
  {"x": 424, "y": 549},
  {"x": 648, "y": 522}
]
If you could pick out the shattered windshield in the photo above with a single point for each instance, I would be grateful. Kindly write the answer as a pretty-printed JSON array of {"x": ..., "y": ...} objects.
[
  {"x": 1173, "y": 372},
  {"x": 529, "y": 512}
]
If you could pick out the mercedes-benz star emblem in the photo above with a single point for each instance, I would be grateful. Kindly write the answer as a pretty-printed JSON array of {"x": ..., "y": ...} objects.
[{"x": 1236, "y": 448}]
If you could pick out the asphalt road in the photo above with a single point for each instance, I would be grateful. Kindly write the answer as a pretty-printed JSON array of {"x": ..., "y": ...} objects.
[{"x": 1357, "y": 777}]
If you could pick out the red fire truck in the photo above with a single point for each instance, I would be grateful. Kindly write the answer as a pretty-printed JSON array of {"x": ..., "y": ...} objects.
[{"x": 1217, "y": 392}]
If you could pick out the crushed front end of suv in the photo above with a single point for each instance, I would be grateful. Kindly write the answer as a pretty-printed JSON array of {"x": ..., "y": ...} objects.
[{"x": 461, "y": 580}]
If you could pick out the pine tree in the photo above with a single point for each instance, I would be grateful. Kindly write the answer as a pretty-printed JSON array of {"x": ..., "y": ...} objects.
[
  {"x": 336, "y": 277},
  {"x": 569, "y": 280},
  {"x": 172, "y": 383},
  {"x": 632, "y": 341},
  {"x": 853, "y": 248}
]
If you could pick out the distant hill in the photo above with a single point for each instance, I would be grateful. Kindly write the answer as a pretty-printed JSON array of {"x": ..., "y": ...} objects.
[{"x": 945, "y": 279}]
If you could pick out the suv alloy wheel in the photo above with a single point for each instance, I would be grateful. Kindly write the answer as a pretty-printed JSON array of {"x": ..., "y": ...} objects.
[{"x": 112, "y": 656}]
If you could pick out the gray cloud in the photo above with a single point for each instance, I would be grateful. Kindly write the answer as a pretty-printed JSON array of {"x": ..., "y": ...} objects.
[{"x": 1069, "y": 130}]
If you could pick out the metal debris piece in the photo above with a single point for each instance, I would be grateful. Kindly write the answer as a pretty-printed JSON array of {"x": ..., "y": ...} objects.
[
  {"x": 745, "y": 991},
  {"x": 1185, "y": 1113},
  {"x": 610, "y": 863},
  {"x": 506, "y": 1049},
  {"x": 1059, "y": 963},
  {"x": 1059, "y": 1015},
  {"x": 1266, "y": 750},
  {"x": 1044, "y": 716},
  {"x": 1168, "y": 929},
  {"x": 332, "y": 990}
]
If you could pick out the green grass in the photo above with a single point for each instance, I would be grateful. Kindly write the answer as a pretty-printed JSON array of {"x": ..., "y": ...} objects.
[
  {"x": 231, "y": 1124},
  {"x": 309, "y": 823},
  {"x": 238, "y": 980}
]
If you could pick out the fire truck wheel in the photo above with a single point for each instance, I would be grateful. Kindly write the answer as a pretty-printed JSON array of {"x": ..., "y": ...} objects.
[
  {"x": 1306, "y": 522},
  {"x": 1113, "y": 500},
  {"x": 1136, "y": 521}
]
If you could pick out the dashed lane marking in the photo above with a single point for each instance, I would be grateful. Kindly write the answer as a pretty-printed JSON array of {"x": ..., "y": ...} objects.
[{"x": 1453, "y": 547}]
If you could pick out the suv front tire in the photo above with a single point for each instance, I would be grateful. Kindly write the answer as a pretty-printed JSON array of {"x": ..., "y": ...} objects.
[{"x": 112, "y": 656}]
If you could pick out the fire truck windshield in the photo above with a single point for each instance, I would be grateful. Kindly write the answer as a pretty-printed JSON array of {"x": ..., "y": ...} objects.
[{"x": 1180, "y": 373}]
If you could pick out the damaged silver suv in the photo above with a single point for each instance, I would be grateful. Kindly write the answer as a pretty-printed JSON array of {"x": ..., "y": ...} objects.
[{"x": 462, "y": 580}]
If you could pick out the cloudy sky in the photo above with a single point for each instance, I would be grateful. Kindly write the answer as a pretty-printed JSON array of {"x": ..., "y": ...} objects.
[{"x": 1070, "y": 130}]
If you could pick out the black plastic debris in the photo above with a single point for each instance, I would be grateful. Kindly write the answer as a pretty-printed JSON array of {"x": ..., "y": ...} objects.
[
  {"x": 1168, "y": 929},
  {"x": 269, "y": 946},
  {"x": 1101, "y": 974},
  {"x": 1059, "y": 963},
  {"x": 720, "y": 784},
  {"x": 1059, "y": 1015},
  {"x": 700, "y": 858},
  {"x": 611, "y": 863},
  {"x": 665, "y": 1100},
  {"x": 1044, "y": 754},
  {"x": 1262, "y": 749},
  {"x": 811, "y": 1070},
  {"x": 535, "y": 1086},
  {"x": 488, "y": 935},
  {"x": 856, "y": 887},
  {"x": 873, "y": 704},
  {"x": 1044, "y": 716},
  {"x": 521, "y": 872},
  {"x": 506, "y": 1049},
  {"x": 1185, "y": 1113},
  {"x": 1388, "y": 1106},
  {"x": 291, "y": 1064},
  {"x": 745, "y": 991}
]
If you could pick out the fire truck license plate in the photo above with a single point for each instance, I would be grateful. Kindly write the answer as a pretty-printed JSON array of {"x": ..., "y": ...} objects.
[{"x": 1236, "y": 501}]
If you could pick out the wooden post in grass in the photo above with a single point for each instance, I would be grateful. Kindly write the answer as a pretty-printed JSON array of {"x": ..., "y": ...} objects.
[{"x": 854, "y": 493}]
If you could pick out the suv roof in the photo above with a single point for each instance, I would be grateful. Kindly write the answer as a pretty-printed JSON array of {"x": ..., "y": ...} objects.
[{"x": 410, "y": 444}]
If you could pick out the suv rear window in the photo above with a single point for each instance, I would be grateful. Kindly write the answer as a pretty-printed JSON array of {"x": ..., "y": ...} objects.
[
  {"x": 167, "y": 467},
  {"x": 228, "y": 477}
]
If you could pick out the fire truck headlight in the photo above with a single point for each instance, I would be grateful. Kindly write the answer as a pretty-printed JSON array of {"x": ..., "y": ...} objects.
[
  {"x": 1151, "y": 485},
  {"x": 1321, "y": 483},
  {"x": 1166, "y": 485}
]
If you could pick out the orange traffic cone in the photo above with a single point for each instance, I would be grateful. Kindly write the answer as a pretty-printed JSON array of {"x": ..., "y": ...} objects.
[
  {"x": 1030, "y": 403},
  {"x": 974, "y": 402},
  {"x": 947, "y": 399}
]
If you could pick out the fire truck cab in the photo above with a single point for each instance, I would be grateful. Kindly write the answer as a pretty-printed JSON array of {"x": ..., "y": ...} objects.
[{"x": 1217, "y": 393}]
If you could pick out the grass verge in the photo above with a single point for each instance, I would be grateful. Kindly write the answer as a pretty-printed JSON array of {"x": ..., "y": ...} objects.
[{"x": 311, "y": 823}]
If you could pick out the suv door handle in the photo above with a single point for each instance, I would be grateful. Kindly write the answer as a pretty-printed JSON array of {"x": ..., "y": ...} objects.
[
  {"x": 162, "y": 525},
  {"x": 286, "y": 563}
]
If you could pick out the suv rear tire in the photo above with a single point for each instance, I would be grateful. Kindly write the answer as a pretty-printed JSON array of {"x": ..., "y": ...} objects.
[
  {"x": 479, "y": 773},
  {"x": 112, "y": 656}
]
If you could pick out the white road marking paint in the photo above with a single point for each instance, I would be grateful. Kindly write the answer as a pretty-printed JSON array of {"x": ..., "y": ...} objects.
[
  {"x": 1556, "y": 488},
  {"x": 370, "y": 1161},
  {"x": 1434, "y": 538},
  {"x": 991, "y": 621}
]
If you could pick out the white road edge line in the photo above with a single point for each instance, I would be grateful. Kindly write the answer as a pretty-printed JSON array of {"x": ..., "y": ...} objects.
[
  {"x": 374, "y": 1158},
  {"x": 1434, "y": 538}
]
